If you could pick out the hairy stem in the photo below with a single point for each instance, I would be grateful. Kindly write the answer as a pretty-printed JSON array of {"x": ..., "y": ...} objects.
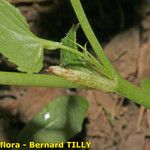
[{"x": 23, "y": 79}]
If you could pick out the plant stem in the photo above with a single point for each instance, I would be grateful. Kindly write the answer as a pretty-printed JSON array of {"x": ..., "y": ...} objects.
[
  {"x": 125, "y": 88},
  {"x": 23, "y": 79},
  {"x": 90, "y": 35},
  {"x": 83, "y": 77},
  {"x": 51, "y": 45},
  {"x": 133, "y": 92},
  {"x": 90, "y": 58}
]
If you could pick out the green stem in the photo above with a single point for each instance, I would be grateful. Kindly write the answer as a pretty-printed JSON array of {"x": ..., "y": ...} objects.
[
  {"x": 23, "y": 79},
  {"x": 125, "y": 88},
  {"x": 51, "y": 45},
  {"x": 133, "y": 92},
  {"x": 90, "y": 35},
  {"x": 99, "y": 68}
]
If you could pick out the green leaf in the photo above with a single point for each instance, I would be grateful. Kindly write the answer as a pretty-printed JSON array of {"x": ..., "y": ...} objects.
[
  {"x": 68, "y": 58},
  {"x": 145, "y": 83},
  {"x": 59, "y": 121},
  {"x": 17, "y": 43}
]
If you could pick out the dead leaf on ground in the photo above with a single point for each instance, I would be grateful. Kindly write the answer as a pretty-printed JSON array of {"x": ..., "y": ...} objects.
[{"x": 134, "y": 142}]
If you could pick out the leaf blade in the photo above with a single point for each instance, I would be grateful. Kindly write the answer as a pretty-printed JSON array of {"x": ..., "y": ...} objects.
[
  {"x": 67, "y": 58},
  {"x": 17, "y": 43},
  {"x": 64, "y": 118},
  {"x": 13, "y": 13}
]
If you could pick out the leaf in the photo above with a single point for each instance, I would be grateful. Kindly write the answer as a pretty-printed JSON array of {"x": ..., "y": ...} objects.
[
  {"x": 17, "y": 43},
  {"x": 68, "y": 58},
  {"x": 59, "y": 121},
  {"x": 145, "y": 83}
]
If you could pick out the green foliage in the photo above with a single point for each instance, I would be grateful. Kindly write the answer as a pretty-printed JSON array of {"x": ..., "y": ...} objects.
[
  {"x": 59, "y": 121},
  {"x": 17, "y": 43},
  {"x": 24, "y": 49},
  {"x": 80, "y": 70},
  {"x": 68, "y": 58},
  {"x": 77, "y": 6},
  {"x": 62, "y": 118}
]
